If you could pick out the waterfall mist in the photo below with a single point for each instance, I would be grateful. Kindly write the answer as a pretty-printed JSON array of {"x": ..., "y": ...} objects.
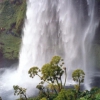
[{"x": 54, "y": 27}]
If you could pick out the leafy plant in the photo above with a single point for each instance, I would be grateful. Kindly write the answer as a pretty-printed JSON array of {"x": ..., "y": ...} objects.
[
  {"x": 51, "y": 73},
  {"x": 78, "y": 76},
  {"x": 68, "y": 94},
  {"x": 20, "y": 91},
  {"x": 43, "y": 99}
]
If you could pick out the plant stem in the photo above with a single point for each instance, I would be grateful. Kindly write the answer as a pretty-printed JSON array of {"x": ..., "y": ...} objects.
[{"x": 58, "y": 84}]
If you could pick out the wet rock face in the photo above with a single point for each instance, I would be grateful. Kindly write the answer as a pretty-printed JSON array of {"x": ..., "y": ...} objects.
[
  {"x": 5, "y": 63},
  {"x": 1, "y": 51},
  {"x": 1, "y": 55},
  {"x": 97, "y": 35},
  {"x": 97, "y": 11},
  {"x": 1, "y": 1}
]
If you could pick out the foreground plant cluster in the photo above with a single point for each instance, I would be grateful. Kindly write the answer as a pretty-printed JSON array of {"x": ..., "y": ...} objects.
[{"x": 53, "y": 77}]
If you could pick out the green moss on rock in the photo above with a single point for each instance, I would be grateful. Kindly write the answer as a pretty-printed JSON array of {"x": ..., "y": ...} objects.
[
  {"x": 10, "y": 47},
  {"x": 12, "y": 14}
]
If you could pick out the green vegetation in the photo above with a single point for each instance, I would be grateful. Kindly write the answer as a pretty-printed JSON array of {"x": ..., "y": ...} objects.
[
  {"x": 78, "y": 76},
  {"x": 51, "y": 73},
  {"x": 10, "y": 47},
  {"x": 12, "y": 14},
  {"x": 20, "y": 91}
]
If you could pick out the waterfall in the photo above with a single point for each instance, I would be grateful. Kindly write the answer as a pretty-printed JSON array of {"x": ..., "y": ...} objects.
[
  {"x": 65, "y": 28},
  {"x": 56, "y": 27}
]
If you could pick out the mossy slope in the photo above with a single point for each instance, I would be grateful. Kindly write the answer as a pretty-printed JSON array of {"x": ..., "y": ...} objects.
[{"x": 12, "y": 14}]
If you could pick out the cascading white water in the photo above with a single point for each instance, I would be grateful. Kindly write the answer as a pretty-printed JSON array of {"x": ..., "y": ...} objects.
[
  {"x": 86, "y": 42},
  {"x": 56, "y": 27}
]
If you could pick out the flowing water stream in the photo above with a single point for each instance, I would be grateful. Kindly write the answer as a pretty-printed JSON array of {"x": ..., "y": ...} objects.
[{"x": 55, "y": 27}]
